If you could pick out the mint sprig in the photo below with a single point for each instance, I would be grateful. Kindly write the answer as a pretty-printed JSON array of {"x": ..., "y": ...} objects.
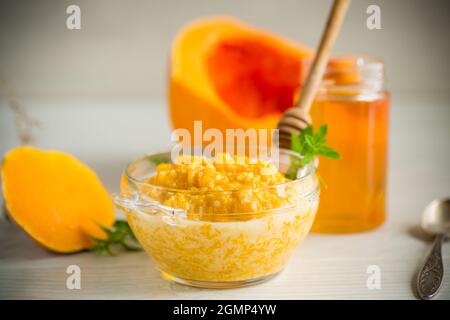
[
  {"x": 157, "y": 159},
  {"x": 119, "y": 235},
  {"x": 309, "y": 144}
]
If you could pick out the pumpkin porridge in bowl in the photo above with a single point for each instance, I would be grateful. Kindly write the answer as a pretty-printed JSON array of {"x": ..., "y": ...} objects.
[{"x": 218, "y": 222}]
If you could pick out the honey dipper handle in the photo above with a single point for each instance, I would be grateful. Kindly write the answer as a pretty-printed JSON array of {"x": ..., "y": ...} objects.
[{"x": 317, "y": 70}]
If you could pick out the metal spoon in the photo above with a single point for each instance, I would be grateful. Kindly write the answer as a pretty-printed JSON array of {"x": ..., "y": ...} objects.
[{"x": 436, "y": 222}]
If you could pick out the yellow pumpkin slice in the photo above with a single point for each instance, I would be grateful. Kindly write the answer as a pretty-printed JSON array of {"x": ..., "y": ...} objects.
[{"x": 55, "y": 198}]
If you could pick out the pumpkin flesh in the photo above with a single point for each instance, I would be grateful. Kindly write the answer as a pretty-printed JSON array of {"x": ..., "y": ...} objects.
[
  {"x": 55, "y": 198},
  {"x": 231, "y": 75}
]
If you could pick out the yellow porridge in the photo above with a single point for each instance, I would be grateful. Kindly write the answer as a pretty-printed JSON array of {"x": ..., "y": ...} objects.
[{"x": 241, "y": 219}]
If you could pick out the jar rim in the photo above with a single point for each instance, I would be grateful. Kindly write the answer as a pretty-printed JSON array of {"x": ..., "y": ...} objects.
[
  {"x": 350, "y": 61},
  {"x": 352, "y": 75}
]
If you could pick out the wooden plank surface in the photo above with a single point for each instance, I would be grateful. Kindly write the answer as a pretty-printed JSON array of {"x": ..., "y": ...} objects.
[{"x": 324, "y": 267}]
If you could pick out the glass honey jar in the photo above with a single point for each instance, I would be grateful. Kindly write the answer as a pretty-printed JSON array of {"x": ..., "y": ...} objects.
[{"x": 354, "y": 103}]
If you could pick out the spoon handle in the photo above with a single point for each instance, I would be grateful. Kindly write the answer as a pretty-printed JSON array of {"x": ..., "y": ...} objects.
[{"x": 430, "y": 277}]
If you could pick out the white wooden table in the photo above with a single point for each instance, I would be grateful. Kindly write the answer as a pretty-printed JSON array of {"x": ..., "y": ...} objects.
[{"x": 107, "y": 135}]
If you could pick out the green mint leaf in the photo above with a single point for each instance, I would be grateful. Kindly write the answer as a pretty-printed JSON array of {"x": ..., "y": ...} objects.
[
  {"x": 328, "y": 152},
  {"x": 310, "y": 141},
  {"x": 307, "y": 158},
  {"x": 128, "y": 247},
  {"x": 309, "y": 145},
  {"x": 321, "y": 134},
  {"x": 308, "y": 131},
  {"x": 296, "y": 144},
  {"x": 117, "y": 235},
  {"x": 291, "y": 173},
  {"x": 106, "y": 230},
  {"x": 158, "y": 159}
]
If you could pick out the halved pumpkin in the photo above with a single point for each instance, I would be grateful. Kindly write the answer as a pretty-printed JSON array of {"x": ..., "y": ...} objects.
[
  {"x": 231, "y": 75},
  {"x": 55, "y": 198}
]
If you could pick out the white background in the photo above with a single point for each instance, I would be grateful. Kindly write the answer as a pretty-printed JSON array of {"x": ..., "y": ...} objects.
[{"x": 122, "y": 49}]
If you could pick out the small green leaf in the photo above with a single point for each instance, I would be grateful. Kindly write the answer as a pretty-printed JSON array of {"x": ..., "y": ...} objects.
[
  {"x": 296, "y": 144},
  {"x": 158, "y": 159},
  {"x": 328, "y": 152},
  {"x": 321, "y": 134},
  {"x": 104, "y": 229},
  {"x": 307, "y": 158},
  {"x": 309, "y": 145},
  {"x": 308, "y": 131},
  {"x": 118, "y": 235},
  {"x": 310, "y": 141}
]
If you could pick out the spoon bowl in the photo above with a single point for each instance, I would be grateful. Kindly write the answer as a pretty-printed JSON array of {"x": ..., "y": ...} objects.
[{"x": 436, "y": 218}]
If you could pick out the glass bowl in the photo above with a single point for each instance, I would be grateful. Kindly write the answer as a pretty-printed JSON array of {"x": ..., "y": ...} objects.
[{"x": 205, "y": 248}]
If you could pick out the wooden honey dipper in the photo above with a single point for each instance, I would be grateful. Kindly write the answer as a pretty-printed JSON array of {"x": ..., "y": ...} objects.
[{"x": 297, "y": 118}]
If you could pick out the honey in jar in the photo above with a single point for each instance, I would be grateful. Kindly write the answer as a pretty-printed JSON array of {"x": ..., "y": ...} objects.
[{"x": 355, "y": 105}]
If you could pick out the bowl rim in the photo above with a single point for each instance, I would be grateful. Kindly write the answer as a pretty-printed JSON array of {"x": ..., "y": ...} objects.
[{"x": 310, "y": 170}]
